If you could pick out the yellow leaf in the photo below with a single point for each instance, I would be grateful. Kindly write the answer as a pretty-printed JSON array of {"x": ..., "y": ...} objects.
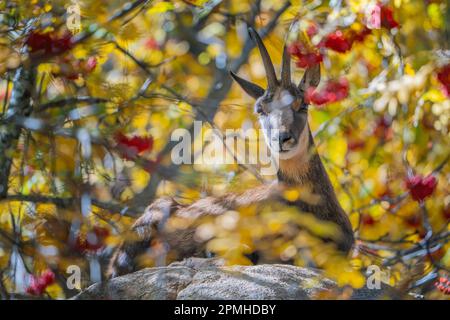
[
  {"x": 291, "y": 194},
  {"x": 139, "y": 179},
  {"x": 161, "y": 7},
  {"x": 434, "y": 95}
]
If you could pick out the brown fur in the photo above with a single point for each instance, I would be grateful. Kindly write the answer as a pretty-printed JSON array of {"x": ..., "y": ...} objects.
[
  {"x": 314, "y": 175},
  {"x": 295, "y": 167},
  {"x": 299, "y": 171}
]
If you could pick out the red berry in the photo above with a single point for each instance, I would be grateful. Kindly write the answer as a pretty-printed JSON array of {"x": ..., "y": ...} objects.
[
  {"x": 414, "y": 221},
  {"x": 131, "y": 147},
  {"x": 446, "y": 212},
  {"x": 152, "y": 44},
  {"x": 93, "y": 242},
  {"x": 443, "y": 285},
  {"x": 383, "y": 128},
  {"x": 303, "y": 56},
  {"x": 48, "y": 277},
  {"x": 101, "y": 232},
  {"x": 367, "y": 219},
  {"x": 312, "y": 30},
  {"x": 30, "y": 290},
  {"x": 91, "y": 63},
  {"x": 355, "y": 144},
  {"x": 49, "y": 43},
  {"x": 333, "y": 91},
  {"x": 359, "y": 36},
  {"x": 140, "y": 143},
  {"x": 382, "y": 16},
  {"x": 151, "y": 165},
  {"x": 337, "y": 42},
  {"x": 387, "y": 17},
  {"x": 420, "y": 187},
  {"x": 443, "y": 76},
  {"x": 39, "y": 42}
]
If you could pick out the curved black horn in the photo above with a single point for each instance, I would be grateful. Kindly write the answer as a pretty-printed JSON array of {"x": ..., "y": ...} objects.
[
  {"x": 252, "y": 89},
  {"x": 286, "y": 68},
  {"x": 272, "y": 81}
]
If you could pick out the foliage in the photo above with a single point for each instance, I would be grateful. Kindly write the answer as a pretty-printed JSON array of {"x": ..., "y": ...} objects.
[{"x": 87, "y": 117}]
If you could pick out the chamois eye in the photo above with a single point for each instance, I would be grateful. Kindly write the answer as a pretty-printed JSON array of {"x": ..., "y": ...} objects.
[
  {"x": 259, "y": 109},
  {"x": 301, "y": 107}
]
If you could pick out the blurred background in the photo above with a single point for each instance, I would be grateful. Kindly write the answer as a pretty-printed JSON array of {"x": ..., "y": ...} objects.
[{"x": 91, "y": 90}]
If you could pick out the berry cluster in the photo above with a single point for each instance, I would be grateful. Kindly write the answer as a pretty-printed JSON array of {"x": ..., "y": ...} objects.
[
  {"x": 340, "y": 41},
  {"x": 49, "y": 43},
  {"x": 443, "y": 285},
  {"x": 443, "y": 76},
  {"x": 333, "y": 91},
  {"x": 131, "y": 147},
  {"x": 39, "y": 284}
]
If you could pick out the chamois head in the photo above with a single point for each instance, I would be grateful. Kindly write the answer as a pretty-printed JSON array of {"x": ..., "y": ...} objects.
[{"x": 281, "y": 108}]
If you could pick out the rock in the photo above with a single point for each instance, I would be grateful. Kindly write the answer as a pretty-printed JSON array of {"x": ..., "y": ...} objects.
[{"x": 197, "y": 278}]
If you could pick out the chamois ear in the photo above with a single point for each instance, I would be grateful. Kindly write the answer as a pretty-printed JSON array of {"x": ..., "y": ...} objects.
[
  {"x": 311, "y": 78},
  {"x": 252, "y": 89}
]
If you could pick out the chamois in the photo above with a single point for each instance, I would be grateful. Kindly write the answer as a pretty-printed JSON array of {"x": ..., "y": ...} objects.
[{"x": 283, "y": 116}]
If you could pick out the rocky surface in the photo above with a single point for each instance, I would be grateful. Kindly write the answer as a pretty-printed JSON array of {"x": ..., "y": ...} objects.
[{"x": 195, "y": 278}]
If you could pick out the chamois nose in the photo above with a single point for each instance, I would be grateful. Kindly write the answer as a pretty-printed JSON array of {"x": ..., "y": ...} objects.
[{"x": 283, "y": 138}]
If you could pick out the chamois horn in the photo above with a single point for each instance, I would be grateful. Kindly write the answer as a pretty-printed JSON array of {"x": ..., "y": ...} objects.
[
  {"x": 286, "y": 68},
  {"x": 272, "y": 81}
]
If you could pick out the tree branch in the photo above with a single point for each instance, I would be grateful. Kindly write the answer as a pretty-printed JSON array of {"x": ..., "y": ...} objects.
[
  {"x": 70, "y": 202},
  {"x": 69, "y": 101},
  {"x": 10, "y": 131}
]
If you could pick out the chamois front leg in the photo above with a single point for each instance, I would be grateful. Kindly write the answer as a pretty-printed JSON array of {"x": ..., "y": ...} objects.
[
  {"x": 138, "y": 240},
  {"x": 165, "y": 228}
]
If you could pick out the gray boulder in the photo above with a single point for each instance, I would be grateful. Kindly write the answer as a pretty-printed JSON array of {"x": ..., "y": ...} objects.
[{"x": 197, "y": 278}]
